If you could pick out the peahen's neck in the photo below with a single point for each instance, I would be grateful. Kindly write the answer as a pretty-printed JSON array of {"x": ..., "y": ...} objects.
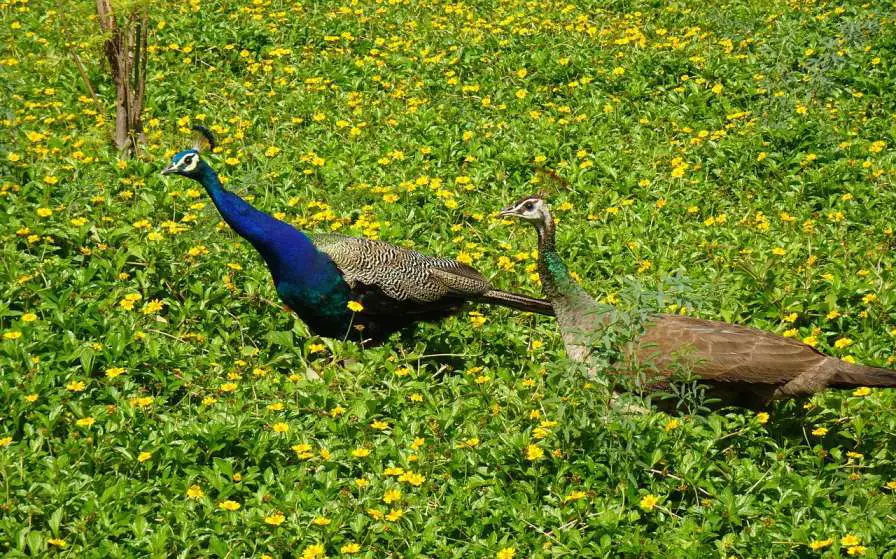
[
  {"x": 556, "y": 280},
  {"x": 281, "y": 245}
]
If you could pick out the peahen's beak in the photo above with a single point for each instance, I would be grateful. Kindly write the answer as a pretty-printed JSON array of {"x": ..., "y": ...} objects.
[
  {"x": 507, "y": 212},
  {"x": 168, "y": 170}
]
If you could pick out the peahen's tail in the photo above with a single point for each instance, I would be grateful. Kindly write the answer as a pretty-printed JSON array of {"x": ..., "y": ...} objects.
[
  {"x": 518, "y": 302},
  {"x": 850, "y": 375}
]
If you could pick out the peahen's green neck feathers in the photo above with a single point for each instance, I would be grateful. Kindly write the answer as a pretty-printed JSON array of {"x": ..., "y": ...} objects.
[{"x": 556, "y": 280}]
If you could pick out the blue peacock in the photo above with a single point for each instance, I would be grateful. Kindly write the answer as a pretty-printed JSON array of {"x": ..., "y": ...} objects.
[{"x": 319, "y": 275}]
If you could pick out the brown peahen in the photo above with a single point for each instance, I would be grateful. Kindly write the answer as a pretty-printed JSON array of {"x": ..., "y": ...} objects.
[{"x": 739, "y": 365}]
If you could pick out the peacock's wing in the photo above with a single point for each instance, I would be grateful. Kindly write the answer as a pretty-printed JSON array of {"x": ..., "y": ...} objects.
[
  {"x": 723, "y": 352},
  {"x": 387, "y": 274}
]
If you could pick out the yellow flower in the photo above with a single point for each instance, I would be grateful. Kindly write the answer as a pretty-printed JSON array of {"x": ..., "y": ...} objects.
[
  {"x": 31, "y": 398},
  {"x": 143, "y": 402},
  {"x": 534, "y": 452},
  {"x": 472, "y": 442},
  {"x": 76, "y": 386},
  {"x": 57, "y": 542},
  {"x": 144, "y": 456},
  {"x": 672, "y": 424},
  {"x": 355, "y": 306},
  {"x": 815, "y": 545},
  {"x": 113, "y": 372},
  {"x": 316, "y": 551},
  {"x": 229, "y": 505},
  {"x": 574, "y": 496},
  {"x": 762, "y": 417},
  {"x": 849, "y": 540},
  {"x": 350, "y": 549},
  {"x": 85, "y": 422},
  {"x": 379, "y": 425},
  {"x": 152, "y": 306},
  {"x": 857, "y": 550},
  {"x": 842, "y": 343},
  {"x": 820, "y": 432},
  {"x": 280, "y": 427},
  {"x": 12, "y": 335},
  {"x": 506, "y": 553},
  {"x": 195, "y": 492},
  {"x": 229, "y": 387},
  {"x": 5, "y": 441},
  {"x": 877, "y": 146},
  {"x": 862, "y": 391},
  {"x": 391, "y": 496},
  {"x": 413, "y": 478},
  {"x": 276, "y": 406},
  {"x": 321, "y": 521},
  {"x": 303, "y": 450},
  {"x": 275, "y": 519},
  {"x": 361, "y": 452},
  {"x": 44, "y": 212},
  {"x": 29, "y": 317},
  {"x": 648, "y": 502},
  {"x": 521, "y": 93},
  {"x": 394, "y": 515}
]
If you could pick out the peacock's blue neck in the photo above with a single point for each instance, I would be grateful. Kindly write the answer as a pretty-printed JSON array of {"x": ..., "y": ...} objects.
[{"x": 283, "y": 247}]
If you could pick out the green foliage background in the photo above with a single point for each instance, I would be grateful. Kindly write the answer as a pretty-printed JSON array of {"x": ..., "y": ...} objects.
[{"x": 745, "y": 147}]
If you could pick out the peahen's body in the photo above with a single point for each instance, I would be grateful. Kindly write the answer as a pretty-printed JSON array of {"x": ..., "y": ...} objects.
[
  {"x": 740, "y": 365},
  {"x": 317, "y": 276}
]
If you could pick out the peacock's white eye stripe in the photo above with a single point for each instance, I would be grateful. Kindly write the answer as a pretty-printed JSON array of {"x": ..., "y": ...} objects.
[{"x": 190, "y": 161}]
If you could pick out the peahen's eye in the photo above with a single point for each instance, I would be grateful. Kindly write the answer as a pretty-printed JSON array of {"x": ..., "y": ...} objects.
[{"x": 528, "y": 206}]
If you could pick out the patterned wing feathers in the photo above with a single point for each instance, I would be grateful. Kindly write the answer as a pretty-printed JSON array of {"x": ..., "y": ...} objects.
[{"x": 400, "y": 274}]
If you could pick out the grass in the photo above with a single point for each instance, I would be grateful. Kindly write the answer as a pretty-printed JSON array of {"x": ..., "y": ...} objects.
[{"x": 151, "y": 382}]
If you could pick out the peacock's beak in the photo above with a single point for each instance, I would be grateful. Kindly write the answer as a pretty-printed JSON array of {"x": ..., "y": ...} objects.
[{"x": 168, "y": 170}]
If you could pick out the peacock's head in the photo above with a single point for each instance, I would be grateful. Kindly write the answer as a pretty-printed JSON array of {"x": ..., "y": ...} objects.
[
  {"x": 187, "y": 163},
  {"x": 184, "y": 163},
  {"x": 533, "y": 209}
]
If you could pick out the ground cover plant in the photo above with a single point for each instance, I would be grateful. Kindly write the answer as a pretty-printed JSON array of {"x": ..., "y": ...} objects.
[{"x": 734, "y": 160}]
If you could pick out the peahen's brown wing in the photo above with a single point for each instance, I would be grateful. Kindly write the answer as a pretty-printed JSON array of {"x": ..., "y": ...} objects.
[{"x": 717, "y": 351}]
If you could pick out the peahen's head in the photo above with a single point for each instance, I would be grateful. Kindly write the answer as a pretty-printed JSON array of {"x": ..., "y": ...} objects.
[
  {"x": 187, "y": 163},
  {"x": 533, "y": 209}
]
